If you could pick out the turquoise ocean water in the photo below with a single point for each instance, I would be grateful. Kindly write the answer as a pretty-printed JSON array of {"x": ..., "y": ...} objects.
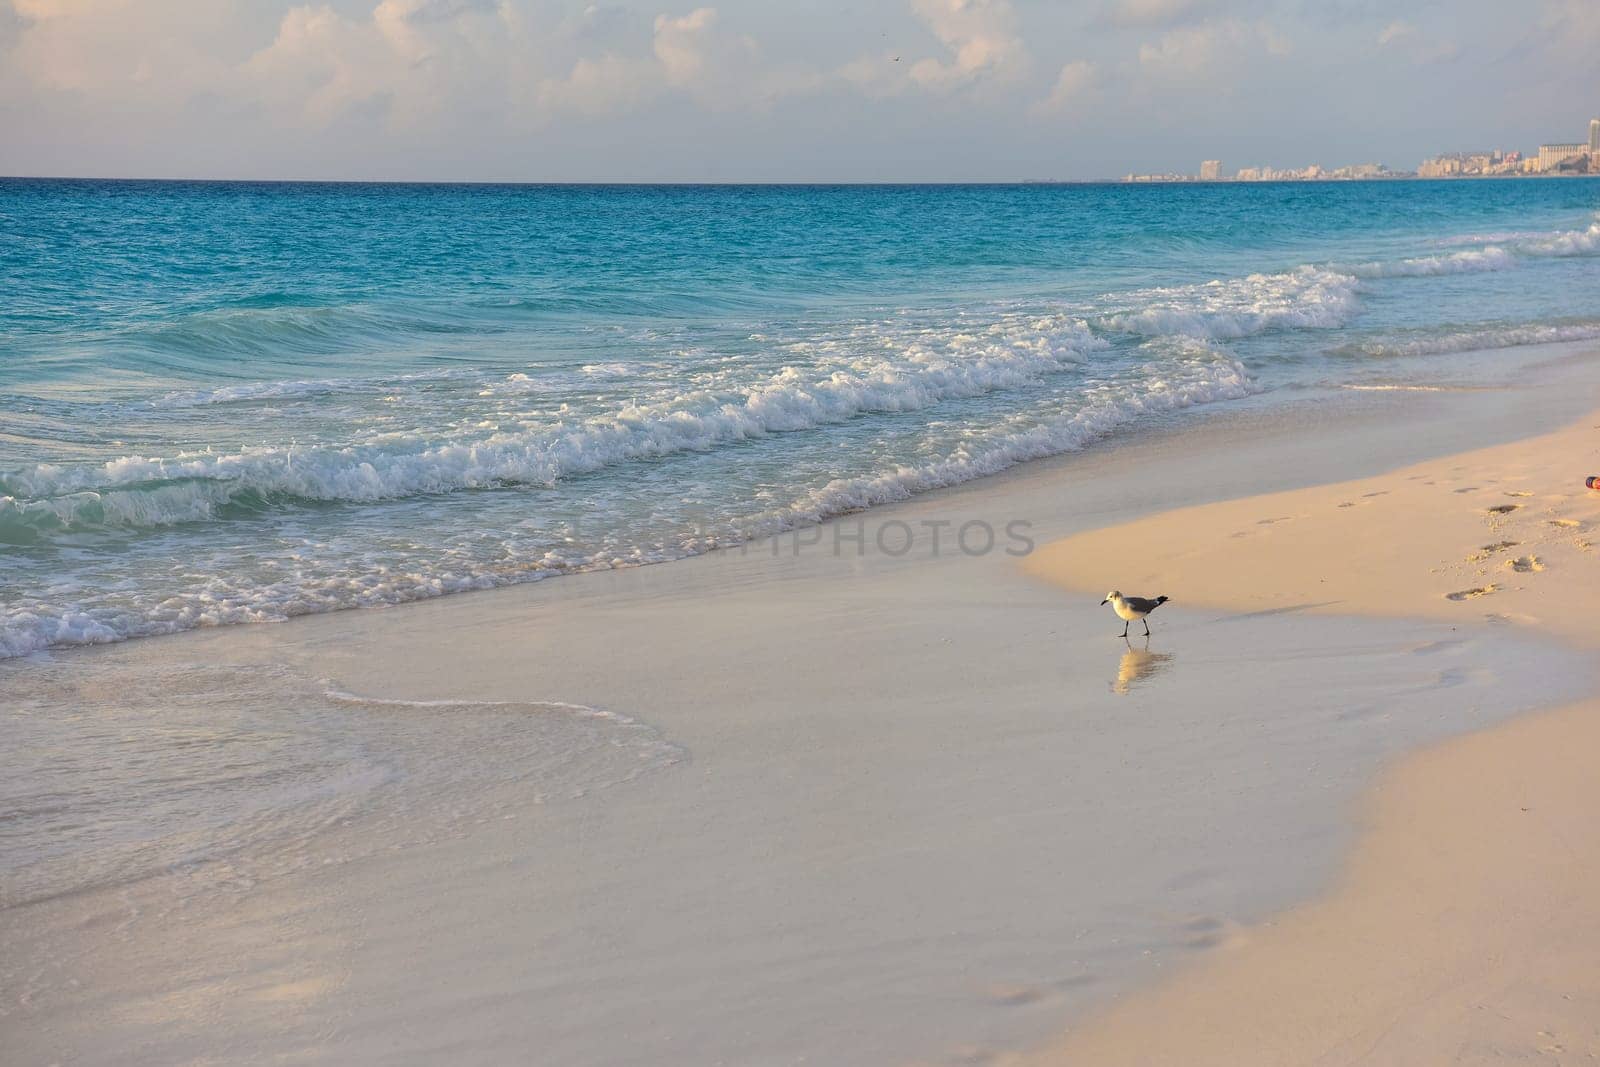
[{"x": 234, "y": 402}]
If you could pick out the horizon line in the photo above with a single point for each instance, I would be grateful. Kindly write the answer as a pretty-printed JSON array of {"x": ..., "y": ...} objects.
[
  {"x": 774, "y": 182},
  {"x": 561, "y": 181}
]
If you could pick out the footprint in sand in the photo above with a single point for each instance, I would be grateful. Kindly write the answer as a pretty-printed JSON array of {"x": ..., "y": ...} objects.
[
  {"x": 1015, "y": 995},
  {"x": 1565, "y": 524},
  {"x": 1207, "y": 931},
  {"x": 1488, "y": 550},
  {"x": 1380, "y": 492},
  {"x": 1519, "y": 492},
  {"x": 1468, "y": 489},
  {"x": 1348, "y": 504},
  {"x": 1547, "y": 1040},
  {"x": 1525, "y": 564},
  {"x": 1502, "y": 509},
  {"x": 1471, "y": 594}
]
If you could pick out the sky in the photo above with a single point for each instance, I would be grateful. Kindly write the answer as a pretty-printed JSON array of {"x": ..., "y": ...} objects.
[{"x": 779, "y": 90}]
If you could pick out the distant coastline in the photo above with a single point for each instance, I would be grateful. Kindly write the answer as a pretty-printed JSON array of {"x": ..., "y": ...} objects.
[
  {"x": 1390, "y": 176},
  {"x": 600, "y": 183},
  {"x": 1570, "y": 159}
]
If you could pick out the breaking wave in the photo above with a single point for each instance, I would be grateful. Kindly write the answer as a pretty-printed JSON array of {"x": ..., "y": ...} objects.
[
  {"x": 1480, "y": 339},
  {"x": 1206, "y": 376},
  {"x": 1579, "y": 242},
  {"x": 138, "y": 491},
  {"x": 1305, "y": 298},
  {"x": 1566, "y": 243},
  {"x": 308, "y": 389},
  {"x": 1471, "y": 261},
  {"x": 1199, "y": 376}
]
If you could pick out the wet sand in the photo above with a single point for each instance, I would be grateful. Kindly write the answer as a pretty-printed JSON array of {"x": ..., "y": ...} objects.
[{"x": 888, "y": 806}]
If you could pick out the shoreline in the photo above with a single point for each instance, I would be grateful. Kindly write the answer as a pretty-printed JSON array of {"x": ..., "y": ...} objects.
[
  {"x": 1460, "y": 928},
  {"x": 1362, "y": 420},
  {"x": 811, "y": 776}
]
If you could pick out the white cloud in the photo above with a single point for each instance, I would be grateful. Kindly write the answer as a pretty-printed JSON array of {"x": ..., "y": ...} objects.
[
  {"x": 1152, "y": 12},
  {"x": 151, "y": 51},
  {"x": 982, "y": 46},
  {"x": 437, "y": 87},
  {"x": 691, "y": 54},
  {"x": 423, "y": 59},
  {"x": 1187, "y": 50},
  {"x": 1201, "y": 53},
  {"x": 1417, "y": 46},
  {"x": 680, "y": 44},
  {"x": 1574, "y": 22},
  {"x": 421, "y": 64},
  {"x": 321, "y": 63},
  {"x": 719, "y": 67},
  {"x": 414, "y": 63},
  {"x": 980, "y": 36},
  {"x": 606, "y": 85},
  {"x": 1393, "y": 32},
  {"x": 1076, "y": 80}
]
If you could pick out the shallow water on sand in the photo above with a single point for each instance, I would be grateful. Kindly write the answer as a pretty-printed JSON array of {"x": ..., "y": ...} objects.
[
  {"x": 845, "y": 865},
  {"x": 118, "y": 774}
]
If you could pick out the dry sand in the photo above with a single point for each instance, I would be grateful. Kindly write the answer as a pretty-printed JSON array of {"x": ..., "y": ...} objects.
[{"x": 1466, "y": 927}]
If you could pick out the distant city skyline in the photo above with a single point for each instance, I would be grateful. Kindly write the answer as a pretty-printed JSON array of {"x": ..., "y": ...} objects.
[
  {"x": 1553, "y": 158},
  {"x": 552, "y": 90}
]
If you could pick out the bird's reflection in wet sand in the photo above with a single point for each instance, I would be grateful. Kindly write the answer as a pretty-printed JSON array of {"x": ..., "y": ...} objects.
[{"x": 1138, "y": 666}]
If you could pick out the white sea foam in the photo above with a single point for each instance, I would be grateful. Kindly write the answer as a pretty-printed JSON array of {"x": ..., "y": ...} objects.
[
  {"x": 1537, "y": 242},
  {"x": 1207, "y": 377},
  {"x": 294, "y": 389},
  {"x": 1566, "y": 243},
  {"x": 134, "y": 491},
  {"x": 1497, "y": 237},
  {"x": 1483, "y": 339},
  {"x": 250, "y": 391},
  {"x": 1470, "y": 261},
  {"x": 1180, "y": 374},
  {"x": 1304, "y": 298}
]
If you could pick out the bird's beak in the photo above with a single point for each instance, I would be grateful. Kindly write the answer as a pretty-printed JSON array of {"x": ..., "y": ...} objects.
[{"x": 1103, "y": 603}]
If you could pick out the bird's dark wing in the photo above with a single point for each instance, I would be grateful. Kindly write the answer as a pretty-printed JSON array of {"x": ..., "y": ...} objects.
[{"x": 1139, "y": 603}]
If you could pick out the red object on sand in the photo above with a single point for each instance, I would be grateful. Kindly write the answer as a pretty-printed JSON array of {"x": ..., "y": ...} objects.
[{"x": 1593, "y": 481}]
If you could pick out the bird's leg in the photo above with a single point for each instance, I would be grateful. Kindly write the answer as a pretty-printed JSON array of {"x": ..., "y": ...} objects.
[
  {"x": 1125, "y": 627},
  {"x": 1146, "y": 627}
]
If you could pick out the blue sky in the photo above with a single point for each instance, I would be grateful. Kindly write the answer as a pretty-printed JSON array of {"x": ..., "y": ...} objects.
[{"x": 765, "y": 90}]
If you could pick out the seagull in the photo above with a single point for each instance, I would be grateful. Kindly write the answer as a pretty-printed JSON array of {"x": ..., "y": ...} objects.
[{"x": 1129, "y": 608}]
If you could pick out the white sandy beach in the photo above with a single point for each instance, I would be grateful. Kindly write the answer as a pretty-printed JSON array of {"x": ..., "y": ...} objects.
[
  {"x": 1464, "y": 928},
  {"x": 789, "y": 804}
]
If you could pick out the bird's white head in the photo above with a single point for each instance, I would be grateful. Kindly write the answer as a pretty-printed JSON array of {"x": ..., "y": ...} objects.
[{"x": 1113, "y": 595}]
